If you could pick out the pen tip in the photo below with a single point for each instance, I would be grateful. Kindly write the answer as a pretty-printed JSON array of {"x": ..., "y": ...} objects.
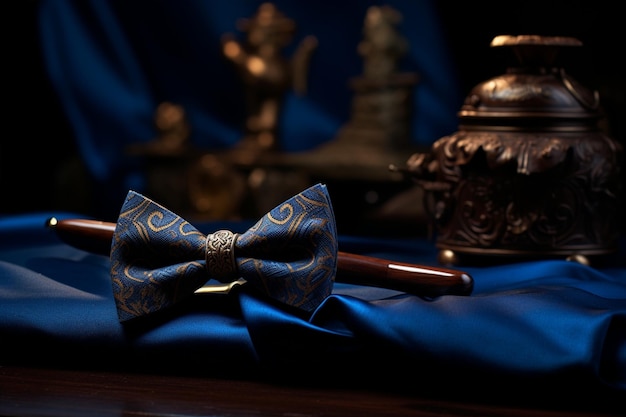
[{"x": 51, "y": 222}]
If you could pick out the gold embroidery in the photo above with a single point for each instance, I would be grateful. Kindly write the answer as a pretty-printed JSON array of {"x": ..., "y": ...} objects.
[
  {"x": 284, "y": 207},
  {"x": 160, "y": 215}
]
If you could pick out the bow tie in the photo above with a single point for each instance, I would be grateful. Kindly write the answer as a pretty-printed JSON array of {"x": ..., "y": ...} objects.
[{"x": 158, "y": 258}]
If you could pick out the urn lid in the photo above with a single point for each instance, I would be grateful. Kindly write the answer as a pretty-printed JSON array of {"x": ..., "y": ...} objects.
[{"x": 536, "y": 93}]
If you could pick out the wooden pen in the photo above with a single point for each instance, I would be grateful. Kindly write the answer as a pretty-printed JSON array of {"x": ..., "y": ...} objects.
[{"x": 427, "y": 281}]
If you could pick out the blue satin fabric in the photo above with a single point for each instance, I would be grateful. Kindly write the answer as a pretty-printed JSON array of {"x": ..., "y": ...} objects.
[{"x": 532, "y": 325}]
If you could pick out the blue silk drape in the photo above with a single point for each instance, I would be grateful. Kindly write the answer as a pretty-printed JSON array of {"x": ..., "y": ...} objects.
[{"x": 526, "y": 326}]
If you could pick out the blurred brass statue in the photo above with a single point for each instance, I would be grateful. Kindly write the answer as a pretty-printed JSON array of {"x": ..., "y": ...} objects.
[
  {"x": 379, "y": 130},
  {"x": 383, "y": 96},
  {"x": 382, "y": 46},
  {"x": 266, "y": 74},
  {"x": 173, "y": 132},
  {"x": 200, "y": 184},
  {"x": 165, "y": 158}
]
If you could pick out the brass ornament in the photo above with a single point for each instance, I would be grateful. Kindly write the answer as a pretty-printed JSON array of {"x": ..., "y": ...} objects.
[
  {"x": 220, "y": 255},
  {"x": 529, "y": 173}
]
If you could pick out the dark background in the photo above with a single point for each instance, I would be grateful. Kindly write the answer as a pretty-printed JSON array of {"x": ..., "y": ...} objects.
[{"x": 37, "y": 144}]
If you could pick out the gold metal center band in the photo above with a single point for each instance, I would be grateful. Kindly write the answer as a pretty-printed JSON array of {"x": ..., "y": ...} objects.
[{"x": 220, "y": 255}]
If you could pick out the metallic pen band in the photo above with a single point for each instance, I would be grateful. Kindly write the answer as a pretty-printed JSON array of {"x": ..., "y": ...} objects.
[{"x": 220, "y": 255}]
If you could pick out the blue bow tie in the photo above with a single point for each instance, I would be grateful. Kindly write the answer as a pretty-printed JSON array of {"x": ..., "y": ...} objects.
[{"x": 158, "y": 258}]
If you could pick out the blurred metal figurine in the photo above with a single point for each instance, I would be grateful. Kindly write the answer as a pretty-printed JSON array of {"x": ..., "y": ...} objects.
[
  {"x": 173, "y": 133},
  {"x": 267, "y": 75},
  {"x": 380, "y": 126},
  {"x": 382, "y": 46},
  {"x": 382, "y": 105},
  {"x": 200, "y": 184},
  {"x": 165, "y": 159}
]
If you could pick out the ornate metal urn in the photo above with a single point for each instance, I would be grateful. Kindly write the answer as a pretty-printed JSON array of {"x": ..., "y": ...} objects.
[{"x": 529, "y": 173}]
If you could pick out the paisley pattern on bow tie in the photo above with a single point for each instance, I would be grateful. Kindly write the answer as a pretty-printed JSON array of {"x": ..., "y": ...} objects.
[{"x": 158, "y": 258}]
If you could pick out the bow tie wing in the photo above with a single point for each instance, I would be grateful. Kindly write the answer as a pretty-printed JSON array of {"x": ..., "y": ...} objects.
[
  {"x": 291, "y": 253},
  {"x": 157, "y": 258}
]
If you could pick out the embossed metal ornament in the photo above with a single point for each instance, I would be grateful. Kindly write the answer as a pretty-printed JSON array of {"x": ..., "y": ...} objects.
[
  {"x": 529, "y": 173},
  {"x": 220, "y": 255}
]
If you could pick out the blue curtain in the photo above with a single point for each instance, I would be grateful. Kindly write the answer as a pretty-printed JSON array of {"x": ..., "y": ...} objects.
[{"x": 113, "y": 62}]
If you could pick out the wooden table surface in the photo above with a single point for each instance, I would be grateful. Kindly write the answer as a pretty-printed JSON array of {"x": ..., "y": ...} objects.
[{"x": 56, "y": 392}]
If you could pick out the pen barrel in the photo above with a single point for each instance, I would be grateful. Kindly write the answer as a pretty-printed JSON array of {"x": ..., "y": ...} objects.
[
  {"x": 90, "y": 235},
  {"x": 427, "y": 281}
]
